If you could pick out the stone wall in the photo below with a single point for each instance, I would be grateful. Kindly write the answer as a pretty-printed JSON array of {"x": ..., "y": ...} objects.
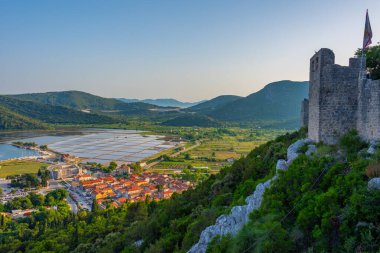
[
  {"x": 368, "y": 124},
  {"x": 305, "y": 113},
  {"x": 319, "y": 60},
  {"x": 333, "y": 97}
]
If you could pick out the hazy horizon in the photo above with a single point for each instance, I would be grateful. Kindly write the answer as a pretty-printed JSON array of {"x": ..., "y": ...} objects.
[{"x": 189, "y": 51}]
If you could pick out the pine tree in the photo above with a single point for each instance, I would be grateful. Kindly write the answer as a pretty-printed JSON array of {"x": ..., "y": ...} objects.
[{"x": 95, "y": 206}]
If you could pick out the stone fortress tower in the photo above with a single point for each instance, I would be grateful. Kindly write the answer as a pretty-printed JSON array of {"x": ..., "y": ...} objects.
[{"x": 339, "y": 100}]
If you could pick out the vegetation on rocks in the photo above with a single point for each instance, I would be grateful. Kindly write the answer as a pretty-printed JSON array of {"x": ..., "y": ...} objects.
[{"x": 321, "y": 204}]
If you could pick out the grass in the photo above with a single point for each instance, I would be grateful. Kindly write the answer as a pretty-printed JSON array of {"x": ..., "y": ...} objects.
[
  {"x": 18, "y": 167},
  {"x": 219, "y": 145}
]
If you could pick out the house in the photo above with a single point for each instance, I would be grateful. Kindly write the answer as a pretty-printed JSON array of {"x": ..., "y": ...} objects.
[
  {"x": 114, "y": 204},
  {"x": 167, "y": 193},
  {"x": 133, "y": 190},
  {"x": 121, "y": 200},
  {"x": 65, "y": 171},
  {"x": 83, "y": 177}
]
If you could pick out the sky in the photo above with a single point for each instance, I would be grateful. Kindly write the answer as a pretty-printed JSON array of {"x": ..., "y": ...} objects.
[{"x": 188, "y": 50}]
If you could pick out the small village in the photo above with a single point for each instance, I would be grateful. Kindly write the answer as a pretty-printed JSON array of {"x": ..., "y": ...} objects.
[
  {"x": 109, "y": 190},
  {"x": 87, "y": 183}
]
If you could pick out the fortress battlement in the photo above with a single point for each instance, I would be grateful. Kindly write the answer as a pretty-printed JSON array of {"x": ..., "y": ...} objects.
[{"x": 339, "y": 101}]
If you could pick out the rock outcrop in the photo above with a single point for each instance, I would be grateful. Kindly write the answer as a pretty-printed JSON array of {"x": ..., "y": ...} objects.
[
  {"x": 374, "y": 183},
  {"x": 372, "y": 147},
  {"x": 281, "y": 165},
  {"x": 232, "y": 223},
  {"x": 293, "y": 149},
  {"x": 239, "y": 216}
]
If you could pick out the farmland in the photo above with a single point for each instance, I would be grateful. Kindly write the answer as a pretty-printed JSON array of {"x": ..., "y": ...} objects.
[
  {"x": 213, "y": 148},
  {"x": 17, "y": 167}
]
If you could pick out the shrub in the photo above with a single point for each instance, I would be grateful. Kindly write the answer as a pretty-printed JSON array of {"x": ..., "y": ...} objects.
[{"x": 351, "y": 142}]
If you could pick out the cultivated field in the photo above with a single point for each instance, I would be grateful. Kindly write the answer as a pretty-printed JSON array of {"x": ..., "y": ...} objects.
[
  {"x": 217, "y": 147},
  {"x": 19, "y": 167}
]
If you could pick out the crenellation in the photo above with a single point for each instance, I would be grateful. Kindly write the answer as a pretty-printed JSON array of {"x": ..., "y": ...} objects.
[{"x": 339, "y": 101}]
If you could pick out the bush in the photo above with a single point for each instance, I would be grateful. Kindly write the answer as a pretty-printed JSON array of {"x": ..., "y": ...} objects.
[{"x": 351, "y": 142}]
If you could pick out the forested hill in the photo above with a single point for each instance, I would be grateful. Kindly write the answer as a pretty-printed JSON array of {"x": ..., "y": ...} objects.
[
  {"x": 276, "y": 101},
  {"x": 192, "y": 120},
  {"x": 320, "y": 204},
  {"x": 12, "y": 120},
  {"x": 49, "y": 114},
  {"x": 79, "y": 100},
  {"x": 213, "y": 104}
]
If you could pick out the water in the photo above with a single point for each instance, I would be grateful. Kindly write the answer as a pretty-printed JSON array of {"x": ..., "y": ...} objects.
[
  {"x": 95, "y": 145},
  {"x": 8, "y": 151}
]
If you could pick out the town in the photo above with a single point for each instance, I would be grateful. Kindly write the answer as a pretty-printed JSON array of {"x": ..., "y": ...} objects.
[
  {"x": 109, "y": 190},
  {"x": 87, "y": 183}
]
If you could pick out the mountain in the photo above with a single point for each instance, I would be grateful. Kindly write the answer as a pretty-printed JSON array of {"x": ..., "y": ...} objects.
[
  {"x": 72, "y": 99},
  {"x": 213, "y": 104},
  {"x": 79, "y": 100},
  {"x": 12, "y": 120},
  {"x": 51, "y": 114},
  {"x": 276, "y": 101},
  {"x": 190, "y": 120},
  {"x": 164, "y": 102}
]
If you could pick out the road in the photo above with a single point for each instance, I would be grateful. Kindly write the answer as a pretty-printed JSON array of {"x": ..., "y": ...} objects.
[
  {"x": 72, "y": 204},
  {"x": 78, "y": 197}
]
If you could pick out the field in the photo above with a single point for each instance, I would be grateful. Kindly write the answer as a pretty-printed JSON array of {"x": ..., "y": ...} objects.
[
  {"x": 216, "y": 147},
  {"x": 18, "y": 167}
]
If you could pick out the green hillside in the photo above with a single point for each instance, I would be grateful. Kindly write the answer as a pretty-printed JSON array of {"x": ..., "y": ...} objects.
[
  {"x": 71, "y": 99},
  {"x": 12, "y": 120},
  {"x": 213, "y": 104},
  {"x": 192, "y": 120},
  {"x": 320, "y": 204},
  {"x": 84, "y": 101},
  {"x": 52, "y": 114},
  {"x": 276, "y": 101}
]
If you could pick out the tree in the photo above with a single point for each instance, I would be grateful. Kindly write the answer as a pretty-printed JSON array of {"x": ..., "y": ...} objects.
[
  {"x": 37, "y": 199},
  {"x": 160, "y": 187},
  {"x": 95, "y": 206},
  {"x": 43, "y": 147},
  {"x": 136, "y": 167},
  {"x": 373, "y": 60}
]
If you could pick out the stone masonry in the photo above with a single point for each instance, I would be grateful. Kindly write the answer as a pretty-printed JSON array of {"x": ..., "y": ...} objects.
[
  {"x": 339, "y": 101},
  {"x": 304, "y": 112}
]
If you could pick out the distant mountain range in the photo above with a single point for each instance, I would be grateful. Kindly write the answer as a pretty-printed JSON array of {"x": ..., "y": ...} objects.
[
  {"x": 37, "y": 113},
  {"x": 276, "y": 105},
  {"x": 81, "y": 101},
  {"x": 213, "y": 104},
  {"x": 164, "y": 102},
  {"x": 276, "y": 101}
]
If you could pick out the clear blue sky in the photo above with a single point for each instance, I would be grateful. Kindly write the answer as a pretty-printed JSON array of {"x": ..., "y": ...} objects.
[{"x": 189, "y": 50}]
